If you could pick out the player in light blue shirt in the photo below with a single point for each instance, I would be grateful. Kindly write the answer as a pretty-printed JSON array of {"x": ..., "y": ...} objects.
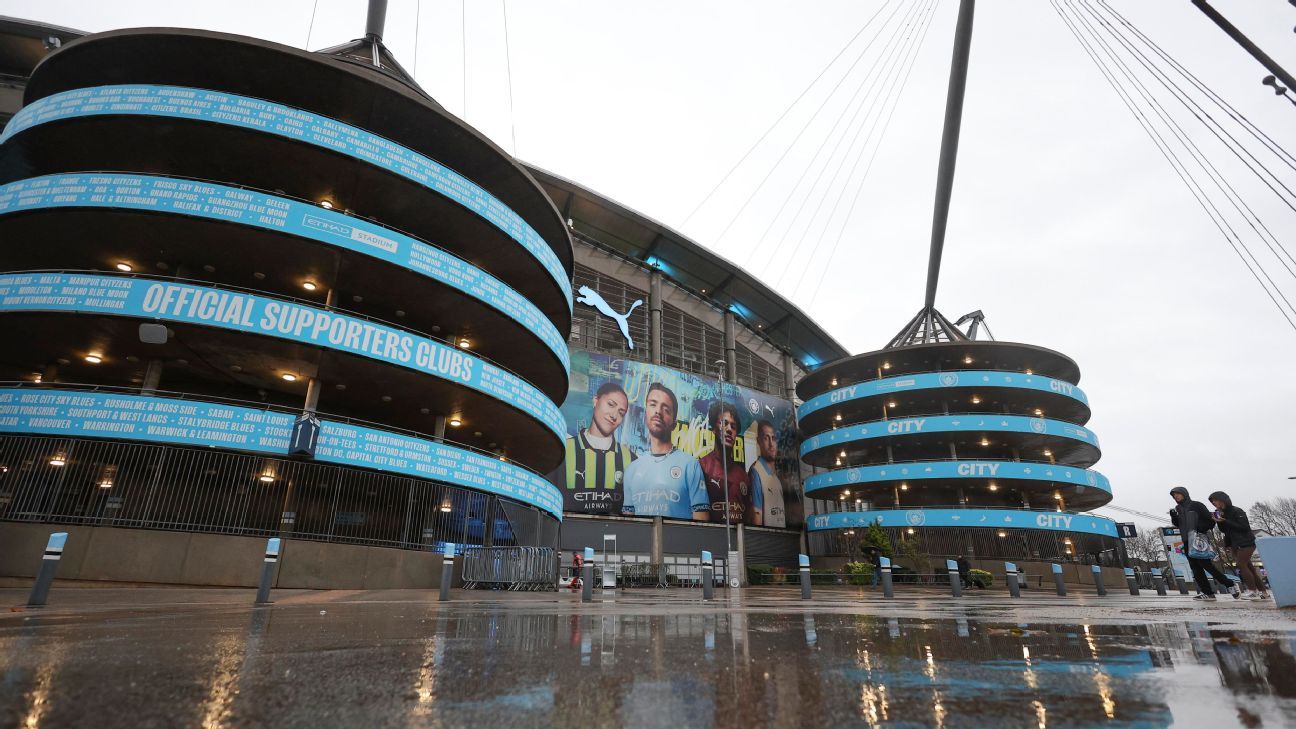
[{"x": 665, "y": 481}]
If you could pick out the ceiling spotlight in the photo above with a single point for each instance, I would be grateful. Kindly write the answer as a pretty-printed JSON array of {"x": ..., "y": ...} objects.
[
  {"x": 1003, "y": 533},
  {"x": 976, "y": 400},
  {"x": 994, "y": 487},
  {"x": 58, "y": 461},
  {"x": 266, "y": 478},
  {"x": 464, "y": 343},
  {"x": 910, "y": 530},
  {"x": 838, "y": 417},
  {"x": 834, "y": 382},
  {"x": 967, "y": 359},
  {"x": 1038, "y": 411},
  {"x": 288, "y": 377},
  {"x": 445, "y": 508},
  {"x": 1057, "y": 497},
  {"x": 842, "y": 497},
  {"x": 985, "y": 441},
  {"x": 309, "y": 285},
  {"x": 1048, "y": 452},
  {"x": 886, "y": 365},
  {"x": 124, "y": 267},
  {"x": 846, "y": 492},
  {"x": 1029, "y": 371},
  {"x": 105, "y": 484},
  {"x": 838, "y": 462},
  {"x": 891, "y": 404},
  {"x": 904, "y": 487},
  {"x": 386, "y": 398},
  {"x": 326, "y": 204},
  {"x": 843, "y": 454},
  {"x": 455, "y": 422},
  {"x": 94, "y": 358}
]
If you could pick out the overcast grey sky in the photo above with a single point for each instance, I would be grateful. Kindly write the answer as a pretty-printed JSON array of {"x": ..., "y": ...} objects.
[{"x": 1067, "y": 228}]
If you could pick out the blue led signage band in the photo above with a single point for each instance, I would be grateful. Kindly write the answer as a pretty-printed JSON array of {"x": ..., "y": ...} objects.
[
  {"x": 935, "y": 380},
  {"x": 254, "y": 314},
  {"x": 970, "y": 423},
  {"x": 925, "y": 470},
  {"x": 302, "y": 126},
  {"x": 74, "y": 414},
  {"x": 966, "y": 518},
  {"x": 257, "y": 209}
]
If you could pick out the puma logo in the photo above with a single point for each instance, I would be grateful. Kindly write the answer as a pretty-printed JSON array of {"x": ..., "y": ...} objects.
[{"x": 592, "y": 298}]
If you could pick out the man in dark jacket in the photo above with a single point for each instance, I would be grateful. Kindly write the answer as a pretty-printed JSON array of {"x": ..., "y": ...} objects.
[
  {"x": 1240, "y": 541},
  {"x": 1193, "y": 517}
]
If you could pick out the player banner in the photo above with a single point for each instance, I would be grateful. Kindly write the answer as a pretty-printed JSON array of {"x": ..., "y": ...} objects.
[{"x": 645, "y": 440}]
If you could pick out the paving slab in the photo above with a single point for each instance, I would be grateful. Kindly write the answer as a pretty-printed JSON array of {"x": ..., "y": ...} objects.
[{"x": 163, "y": 657}]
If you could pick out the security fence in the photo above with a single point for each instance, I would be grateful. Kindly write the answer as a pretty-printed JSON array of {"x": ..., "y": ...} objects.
[
  {"x": 133, "y": 485},
  {"x": 510, "y": 568}
]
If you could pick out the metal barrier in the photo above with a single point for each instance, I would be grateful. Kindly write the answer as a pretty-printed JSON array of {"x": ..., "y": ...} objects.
[{"x": 510, "y": 568}]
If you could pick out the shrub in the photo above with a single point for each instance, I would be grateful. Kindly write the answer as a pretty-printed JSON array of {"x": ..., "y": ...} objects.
[
  {"x": 758, "y": 574},
  {"x": 861, "y": 573},
  {"x": 980, "y": 578}
]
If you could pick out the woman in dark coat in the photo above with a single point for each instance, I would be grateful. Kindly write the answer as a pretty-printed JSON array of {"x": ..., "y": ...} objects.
[{"x": 1240, "y": 541}]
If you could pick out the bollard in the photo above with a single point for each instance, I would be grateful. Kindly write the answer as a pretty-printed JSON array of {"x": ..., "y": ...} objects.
[
  {"x": 49, "y": 565},
  {"x": 956, "y": 584},
  {"x": 1183, "y": 583},
  {"x": 447, "y": 570},
  {"x": 1131, "y": 581},
  {"x": 1022, "y": 582},
  {"x": 1057, "y": 580},
  {"x": 267, "y": 571},
  {"x": 587, "y": 576},
  {"x": 804, "y": 560},
  {"x": 1098, "y": 581},
  {"x": 1010, "y": 575},
  {"x": 708, "y": 576},
  {"x": 1159, "y": 580},
  {"x": 887, "y": 589}
]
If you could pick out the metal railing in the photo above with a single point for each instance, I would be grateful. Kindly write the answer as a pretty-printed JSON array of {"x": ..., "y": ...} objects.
[{"x": 510, "y": 568}]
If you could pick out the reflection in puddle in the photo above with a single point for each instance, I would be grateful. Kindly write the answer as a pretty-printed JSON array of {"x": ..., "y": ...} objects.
[{"x": 365, "y": 665}]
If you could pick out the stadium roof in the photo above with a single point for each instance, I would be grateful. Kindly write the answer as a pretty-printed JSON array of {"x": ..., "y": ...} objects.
[{"x": 636, "y": 236}]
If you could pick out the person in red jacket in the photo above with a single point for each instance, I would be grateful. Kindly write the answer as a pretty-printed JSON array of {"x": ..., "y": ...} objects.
[{"x": 726, "y": 424}]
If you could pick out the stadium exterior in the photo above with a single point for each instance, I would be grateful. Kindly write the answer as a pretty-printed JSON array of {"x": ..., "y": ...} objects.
[
  {"x": 225, "y": 242},
  {"x": 970, "y": 448}
]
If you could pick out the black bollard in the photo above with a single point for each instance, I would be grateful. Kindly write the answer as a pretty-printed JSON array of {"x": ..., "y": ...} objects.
[
  {"x": 1010, "y": 576},
  {"x": 267, "y": 571},
  {"x": 1158, "y": 580},
  {"x": 447, "y": 570},
  {"x": 1058, "y": 581},
  {"x": 587, "y": 576},
  {"x": 1098, "y": 581},
  {"x": 708, "y": 576},
  {"x": 888, "y": 590},
  {"x": 804, "y": 561},
  {"x": 49, "y": 565},
  {"x": 956, "y": 584},
  {"x": 1131, "y": 581},
  {"x": 1183, "y": 583}
]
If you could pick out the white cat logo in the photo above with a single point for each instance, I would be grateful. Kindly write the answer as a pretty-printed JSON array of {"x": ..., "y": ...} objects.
[{"x": 593, "y": 298}]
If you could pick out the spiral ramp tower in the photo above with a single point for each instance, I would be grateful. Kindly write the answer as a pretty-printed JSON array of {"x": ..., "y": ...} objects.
[
  {"x": 212, "y": 242},
  {"x": 974, "y": 448}
]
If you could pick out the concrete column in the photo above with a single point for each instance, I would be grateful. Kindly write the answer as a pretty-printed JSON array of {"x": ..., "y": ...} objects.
[
  {"x": 152, "y": 376},
  {"x": 731, "y": 346},
  {"x": 789, "y": 376},
  {"x": 438, "y": 428},
  {"x": 658, "y": 531},
  {"x": 312, "y": 395},
  {"x": 655, "y": 318}
]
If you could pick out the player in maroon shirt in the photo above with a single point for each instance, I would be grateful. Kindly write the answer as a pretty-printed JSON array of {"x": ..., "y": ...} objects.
[{"x": 726, "y": 425}]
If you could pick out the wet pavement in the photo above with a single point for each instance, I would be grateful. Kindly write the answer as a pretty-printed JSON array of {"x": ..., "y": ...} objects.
[{"x": 142, "y": 657}]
